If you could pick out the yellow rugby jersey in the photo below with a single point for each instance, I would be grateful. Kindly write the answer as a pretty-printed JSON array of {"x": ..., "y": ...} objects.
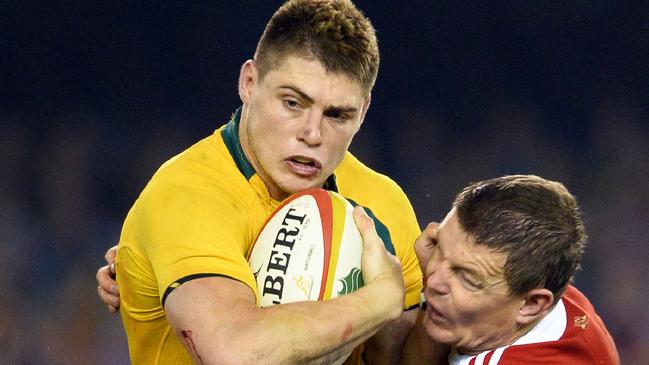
[{"x": 199, "y": 215}]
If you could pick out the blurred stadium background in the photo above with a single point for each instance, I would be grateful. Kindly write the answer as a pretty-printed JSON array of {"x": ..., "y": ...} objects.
[{"x": 96, "y": 95}]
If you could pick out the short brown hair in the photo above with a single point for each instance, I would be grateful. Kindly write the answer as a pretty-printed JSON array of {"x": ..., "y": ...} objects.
[
  {"x": 534, "y": 221},
  {"x": 334, "y": 32}
]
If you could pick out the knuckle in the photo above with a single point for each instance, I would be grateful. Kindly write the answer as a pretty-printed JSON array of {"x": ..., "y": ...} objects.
[{"x": 101, "y": 278}]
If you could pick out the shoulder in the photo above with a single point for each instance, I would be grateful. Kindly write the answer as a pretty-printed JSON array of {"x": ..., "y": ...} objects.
[
  {"x": 206, "y": 170},
  {"x": 361, "y": 183},
  {"x": 200, "y": 185},
  {"x": 564, "y": 351},
  {"x": 382, "y": 195},
  {"x": 583, "y": 338},
  {"x": 397, "y": 223},
  {"x": 586, "y": 327}
]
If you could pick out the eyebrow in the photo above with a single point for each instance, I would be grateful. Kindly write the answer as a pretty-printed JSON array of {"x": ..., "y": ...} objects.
[
  {"x": 471, "y": 271},
  {"x": 476, "y": 274},
  {"x": 302, "y": 94},
  {"x": 309, "y": 99}
]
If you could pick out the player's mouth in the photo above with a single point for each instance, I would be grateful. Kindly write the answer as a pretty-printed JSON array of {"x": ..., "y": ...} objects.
[
  {"x": 304, "y": 166},
  {"x": 434, "y": 313}
]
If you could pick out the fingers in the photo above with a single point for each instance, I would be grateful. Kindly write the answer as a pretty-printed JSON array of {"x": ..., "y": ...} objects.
[
  {"x": 431, "y": 230},
  {"x": 107, "y": 289},
  {"x": 425, "y": 243},
  {"x": 361, "y": 218},
  {"x": 111, "y": 301},
  {"x": 106, "y": 281},
  {"x": 110, "y": 255},
  {"x": 366, "y": 226}
]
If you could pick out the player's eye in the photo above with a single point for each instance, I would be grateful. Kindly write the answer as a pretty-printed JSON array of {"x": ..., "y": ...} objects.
[
  {"x": 337, "y": 116},
  {"x": 432, "y": 243},
  {"x": 291, "y": 104},
  {"x": 470, "y": 282}
]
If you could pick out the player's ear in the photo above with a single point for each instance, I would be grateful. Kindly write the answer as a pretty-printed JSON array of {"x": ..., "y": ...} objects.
[
  {"x": 535, "y": 304},
  {"x": 247, "y": 79}
]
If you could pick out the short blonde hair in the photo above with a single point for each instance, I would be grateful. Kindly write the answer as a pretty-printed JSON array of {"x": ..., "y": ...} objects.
[{"x": 334, "y": 32}]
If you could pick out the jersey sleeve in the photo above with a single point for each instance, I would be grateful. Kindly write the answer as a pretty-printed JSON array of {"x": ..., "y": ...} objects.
[
  {"x": 391, "y": 207},
  {"x": 189, "y": 234},
  {"x": 404, "y": 241}
]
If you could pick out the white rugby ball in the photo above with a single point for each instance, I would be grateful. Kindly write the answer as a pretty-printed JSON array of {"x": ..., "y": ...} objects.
[{"x": 309, "y": 249}]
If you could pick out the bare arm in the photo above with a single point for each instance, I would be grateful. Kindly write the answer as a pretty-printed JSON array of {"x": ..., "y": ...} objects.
[
  {"x": 421, "y": 349},
  {"x": 386, "y": 347},
  {"x": 218, "y": 322}
]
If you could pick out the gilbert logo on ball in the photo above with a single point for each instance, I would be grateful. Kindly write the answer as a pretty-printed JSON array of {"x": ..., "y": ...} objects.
[{"x": 309, "y": 249}]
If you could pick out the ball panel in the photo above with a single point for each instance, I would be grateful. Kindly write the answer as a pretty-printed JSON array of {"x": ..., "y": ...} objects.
[
  {"x": 288, "y": 251},
  {"x": 325, "y": 208},
  {"x": 309, "y": 249},
  {"x": 348, "y": 273},
  {"x": 339, "y": 217}
]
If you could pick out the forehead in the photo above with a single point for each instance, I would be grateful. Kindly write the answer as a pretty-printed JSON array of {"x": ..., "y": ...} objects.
[
  {"x": 461, "y": 249},
  {"x": 310, "y": 76}
]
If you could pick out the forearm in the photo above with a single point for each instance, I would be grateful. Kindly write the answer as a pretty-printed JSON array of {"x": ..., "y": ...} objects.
[
  {"x": 421, "y": 349},
  {"x": 226, "y": 329},
  {"x": 387, "y": 345},
  {"x": 308, "y": 332}
]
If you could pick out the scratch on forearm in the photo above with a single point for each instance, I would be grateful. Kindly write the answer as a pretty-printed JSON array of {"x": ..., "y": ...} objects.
[
  {"x": 187, "y": 337},
  {"x": 347, "y": 333}
]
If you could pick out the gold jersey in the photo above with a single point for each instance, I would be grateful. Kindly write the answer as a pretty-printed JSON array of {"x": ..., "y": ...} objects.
[{"x": 199, "y": 215}]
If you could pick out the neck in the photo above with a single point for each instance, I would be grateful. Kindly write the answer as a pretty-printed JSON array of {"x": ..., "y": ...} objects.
[{"x": 244, "y": 139}]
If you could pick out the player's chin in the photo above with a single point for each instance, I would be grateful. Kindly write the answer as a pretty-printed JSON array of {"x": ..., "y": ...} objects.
[
  {"x": 297, "y": 184},
  {"x": 437, "y": 333}
]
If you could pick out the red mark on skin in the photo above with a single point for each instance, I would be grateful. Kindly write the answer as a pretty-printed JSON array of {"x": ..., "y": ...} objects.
[
  {"x": 347, "y": 333},
  {"x": 187, "y": 337}
]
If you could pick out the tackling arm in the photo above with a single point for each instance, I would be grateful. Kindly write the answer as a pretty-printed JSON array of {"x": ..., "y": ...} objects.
[
  {"x": 387, "y": 345},
  {"x": 218, "y": 322},
  {"x": 421, "y": 349}
]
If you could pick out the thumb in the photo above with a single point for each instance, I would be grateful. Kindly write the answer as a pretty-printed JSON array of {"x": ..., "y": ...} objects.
[
  {"x": 366, "y": 227},
  {"x": 110, "y": 255}
]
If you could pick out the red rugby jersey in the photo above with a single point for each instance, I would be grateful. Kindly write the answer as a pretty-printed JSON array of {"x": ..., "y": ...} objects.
[{"x": 572, "y": 333}]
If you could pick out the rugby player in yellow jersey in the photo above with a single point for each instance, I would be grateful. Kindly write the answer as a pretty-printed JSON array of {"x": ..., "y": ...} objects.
[{"x": 186, "y": 290}]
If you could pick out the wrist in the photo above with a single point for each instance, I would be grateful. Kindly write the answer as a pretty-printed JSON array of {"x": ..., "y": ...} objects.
[{"x": 385, "y": 298}]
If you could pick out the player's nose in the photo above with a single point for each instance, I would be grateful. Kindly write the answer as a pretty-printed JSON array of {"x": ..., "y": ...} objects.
[{"x": 311, "y": 131}]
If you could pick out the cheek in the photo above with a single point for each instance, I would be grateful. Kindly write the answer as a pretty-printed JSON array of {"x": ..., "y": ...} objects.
[
  {"x": 482, "y": 312},
  {"x": 338, "y": 142},
  {"x": 467, "y": 310},
  {"x": 469, "y": 307},
  {"x": 269, "y": 134}
]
